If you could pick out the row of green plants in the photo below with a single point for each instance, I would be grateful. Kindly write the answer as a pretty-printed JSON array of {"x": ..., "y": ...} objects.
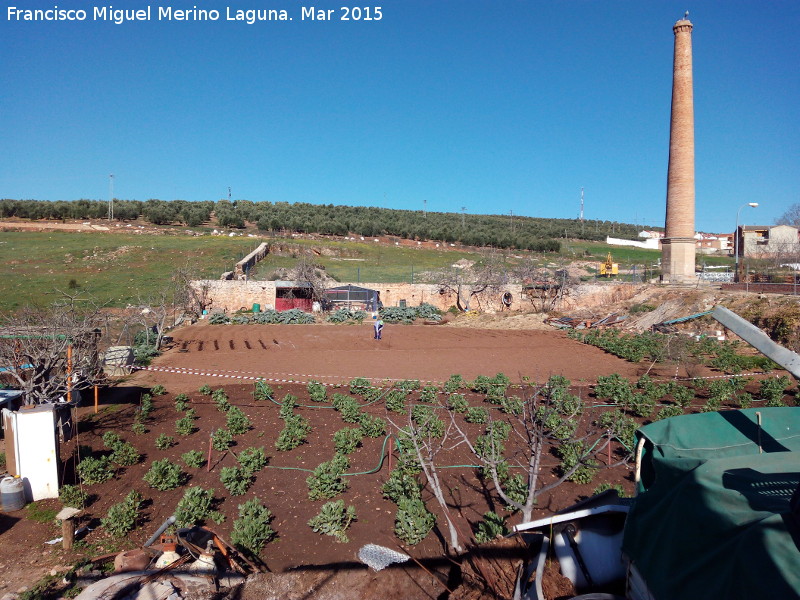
[
  {"x": 413, "y": 520},
  {"x": 270, "y": 316},
  {"x": 635, "y": 347}
]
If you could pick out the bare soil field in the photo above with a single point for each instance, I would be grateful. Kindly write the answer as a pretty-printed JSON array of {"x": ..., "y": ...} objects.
[
  {"x": 303, "y": 563},
  {"x": 287, "y": 357},
  {"x": 336, "y": 354}
]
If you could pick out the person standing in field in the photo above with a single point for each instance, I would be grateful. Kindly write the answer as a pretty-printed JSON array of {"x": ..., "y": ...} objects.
[{"x": 378, "y": 327}]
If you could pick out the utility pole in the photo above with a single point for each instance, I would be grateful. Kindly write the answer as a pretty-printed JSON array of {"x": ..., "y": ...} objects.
[
  {"x": 229, "y": 193},
  {"x": 111, "y": 197}
]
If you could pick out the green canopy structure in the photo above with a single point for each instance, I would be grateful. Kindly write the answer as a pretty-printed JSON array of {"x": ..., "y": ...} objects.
[{"x": 717, "y": 514}]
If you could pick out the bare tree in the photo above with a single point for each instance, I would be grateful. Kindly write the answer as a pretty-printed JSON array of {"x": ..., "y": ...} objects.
[
  {"x": 544, "y": 286},
  {"x": 313, "y": 274},
  {"x": 471, "y": 283},
  {"x": 48, "y": 353},
  {"x": 549, "y": 422},
  {"x": 427, "y": 443},
  {"x": 190, "y": 291},
  {"x": 790, "y": 217}
]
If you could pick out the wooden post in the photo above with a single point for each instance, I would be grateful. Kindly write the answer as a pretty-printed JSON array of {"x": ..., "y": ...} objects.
[
  {"x": 210, "y": 445},
  {"x": 95, "y": 399},
  {"x": 66, "y": 516},
  {"x": 69, "y": 373}
]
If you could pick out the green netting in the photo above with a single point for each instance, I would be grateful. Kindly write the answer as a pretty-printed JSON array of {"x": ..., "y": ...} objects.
[{"x": 713, "y": 516}]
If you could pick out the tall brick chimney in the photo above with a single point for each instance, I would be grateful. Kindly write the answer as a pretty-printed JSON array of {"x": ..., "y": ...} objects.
[{"x": 678, "y": 245}]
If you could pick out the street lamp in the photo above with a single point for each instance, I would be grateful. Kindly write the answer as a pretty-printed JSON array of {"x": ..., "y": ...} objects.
[{"x": 736, "y": 237}]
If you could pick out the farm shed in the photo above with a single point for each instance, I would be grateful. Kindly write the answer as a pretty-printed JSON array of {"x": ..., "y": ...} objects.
[
  {"x": 293, "y": 294},
  {"x": 353, "y": 296}
]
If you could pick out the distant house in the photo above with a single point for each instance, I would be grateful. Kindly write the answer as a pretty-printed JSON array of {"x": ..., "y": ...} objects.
[{"x": 768, "y": 241}]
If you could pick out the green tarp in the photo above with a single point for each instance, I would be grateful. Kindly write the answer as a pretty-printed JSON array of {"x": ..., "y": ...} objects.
[{"x": 712, "y": 519}]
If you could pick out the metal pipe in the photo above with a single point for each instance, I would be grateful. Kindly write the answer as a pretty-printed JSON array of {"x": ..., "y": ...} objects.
[{"x": 160, "y": 530}]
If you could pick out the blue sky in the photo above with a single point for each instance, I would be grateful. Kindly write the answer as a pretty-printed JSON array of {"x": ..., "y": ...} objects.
[{"x": 493, "y": 105}]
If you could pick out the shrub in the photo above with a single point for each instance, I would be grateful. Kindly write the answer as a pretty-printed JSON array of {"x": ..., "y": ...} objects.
[
  {"x": 218, "y": 318},
  {"x": 145, "y": 407},
  {"x": 396, "y": 401},
  {"x": 511, "y": 405},
  {"x": 326, "y": 480},
  {"x": 251, "y": 531},
  {"x": 121, "y": 518},
  {"x": 94, "y": 470},
  {"x": 236, "y": 480},
  {"x": 125, "y": 455},
  {"x": 642, "y": 405},
  {"x": 603, "y": 487},
  {"x": 413, "y": 522},
  {"x": 476, "y": 414},
  {"x": 347, "y": 439},
  {"x": 344, "y": 315},
  {"x": 334, "y": 519},
  {"x": 221, "y": 440},
  {"x": 401, "y": 484},
  {"x": 316, "y": 391},
  {"x": 293, "y": 434},
  {"x": 138, "y": 429},
  {"x": 181, "y": 402},
  {"x": 237, "y": 421},
  {"x": 360, "y": 386},
  {"x": 622, "y": 427},
  {"x": 164, "y": 475},
  {"x": 262, "y": 391},
  {"x": 427, "y": 423},
  {"x": 428, "y": 393},
  {"x": 372, "y": 427},
  {"x": 72, "y": 495},
  {"x": 111, "y": 440},
  {"x": 681, "y": 394},
  {"x": 158, "y": 390},
  {"x": 205, "y": 390},
  {"x": 184, "y": 426},
  {"x": 288, "y": 404},
  {"x": 253, "y": 460},
  {"x": 457, "y": 403},
  {"x": 348, "y": 407},
  {"x": 492, "y": 526},
  {"x": 221, "y": 401},
  {"x": 193, "y": 459},
  {"x": 454, "y": 383},
  {"x": 164, "y": 441},
  {"x": 772, "y": 390},
  {"x": 572, "y": 454},
  {"x": 195, "y": 507},
  {"x": 408, "y": 385},
  {"x": 615, "y": 388},
  {"x": 669, "y": 411}
]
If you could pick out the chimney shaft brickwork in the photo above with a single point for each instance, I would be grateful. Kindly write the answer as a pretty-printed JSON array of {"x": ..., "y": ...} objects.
[{"x": 678, "y": 254}]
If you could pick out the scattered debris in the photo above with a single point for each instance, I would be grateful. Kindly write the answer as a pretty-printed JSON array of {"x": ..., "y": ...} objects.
[{"x": 380, "y": 557}]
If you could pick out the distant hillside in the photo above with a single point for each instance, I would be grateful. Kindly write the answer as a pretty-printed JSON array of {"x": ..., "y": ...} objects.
[{"x": 498, "y": 231}]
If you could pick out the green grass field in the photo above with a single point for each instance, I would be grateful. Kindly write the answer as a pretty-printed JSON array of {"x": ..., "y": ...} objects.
[
  {"x": 117, "y": 269},
  {"x": 121, "y": 269}
]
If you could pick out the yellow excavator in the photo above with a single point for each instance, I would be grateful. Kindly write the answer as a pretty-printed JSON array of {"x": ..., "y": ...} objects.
[{"x": 608, "y": 268}]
